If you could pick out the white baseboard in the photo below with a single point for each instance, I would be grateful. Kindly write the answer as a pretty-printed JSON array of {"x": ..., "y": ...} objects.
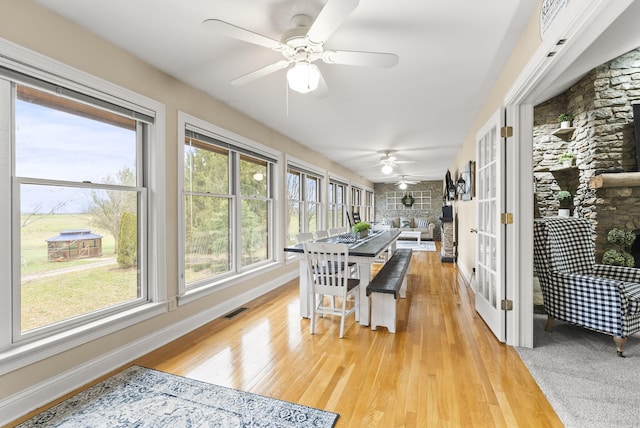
[
  {"x": 469, "y": 278},
  {"x": 17, "y": 405}
]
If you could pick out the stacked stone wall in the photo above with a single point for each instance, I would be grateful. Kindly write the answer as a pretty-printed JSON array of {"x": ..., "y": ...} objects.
[
  {"x": 433, "y": 214},
  {"x": 603, "y": 140}
]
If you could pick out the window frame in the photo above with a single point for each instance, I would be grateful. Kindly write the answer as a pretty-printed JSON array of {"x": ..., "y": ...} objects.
[
  {"x": 23, "y": 66},
  {"x": 306, "y": 170},
  {"x": 368, "y": 205},
  {"x": 342, "y": 206},
  {"x": 239, "y": 273}
]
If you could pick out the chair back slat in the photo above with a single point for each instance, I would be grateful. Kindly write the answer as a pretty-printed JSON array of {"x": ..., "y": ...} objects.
[
  {"x": 304, "y": 237},
  {"x": 321, "y": 234},
  {"x": 326, "y": 264}
]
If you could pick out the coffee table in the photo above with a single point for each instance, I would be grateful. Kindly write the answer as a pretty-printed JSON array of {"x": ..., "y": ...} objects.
[{"x": 411, "y": 234}]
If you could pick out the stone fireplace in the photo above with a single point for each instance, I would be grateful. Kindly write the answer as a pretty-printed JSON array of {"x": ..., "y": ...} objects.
[{"x": 602, "y": 139}]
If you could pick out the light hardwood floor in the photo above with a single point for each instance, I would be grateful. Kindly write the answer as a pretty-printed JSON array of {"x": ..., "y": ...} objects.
[{"x": 443, "y": 367}]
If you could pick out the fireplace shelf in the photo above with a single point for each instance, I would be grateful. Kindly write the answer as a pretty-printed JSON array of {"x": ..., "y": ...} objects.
[{"x": 619, "y": 179}]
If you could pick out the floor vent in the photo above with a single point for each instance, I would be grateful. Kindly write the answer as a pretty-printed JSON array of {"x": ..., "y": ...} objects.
[{"x": 234, "y": 313}]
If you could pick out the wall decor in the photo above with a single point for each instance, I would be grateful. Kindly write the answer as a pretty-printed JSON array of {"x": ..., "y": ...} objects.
[{"x": 468, "y": 175}]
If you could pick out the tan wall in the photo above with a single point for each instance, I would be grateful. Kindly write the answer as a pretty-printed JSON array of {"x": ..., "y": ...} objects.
[
  {"x": 27, "y": 24},
  {"x": 466, "y": 210}
]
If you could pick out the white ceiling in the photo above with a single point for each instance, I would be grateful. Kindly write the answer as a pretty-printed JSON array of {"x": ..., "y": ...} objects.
[{"x": 450, "y": 54}]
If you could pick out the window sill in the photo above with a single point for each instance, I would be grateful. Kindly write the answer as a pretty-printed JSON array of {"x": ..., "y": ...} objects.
[
  {"x": 21, "y": 355},
  {"x": 213, "y": 287}
]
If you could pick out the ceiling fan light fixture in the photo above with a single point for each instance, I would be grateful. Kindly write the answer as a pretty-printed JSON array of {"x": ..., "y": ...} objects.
[
  {"x": 402, "y": 185},
  {"x": 303, "y": 77},
  {"x": 387, "y": 169}
]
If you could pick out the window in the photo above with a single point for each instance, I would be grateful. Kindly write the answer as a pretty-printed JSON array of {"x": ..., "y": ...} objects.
[
  {"x": 228, "y": 207},
  {"x": 356, "y": 201},
  {"x": 369, "y": 198},
  {"x": 76, "y": 211},
  {"x": 304, "y": 207},
  {"x": 337, "y": 204},
  {"x": 76, "y": 173}
]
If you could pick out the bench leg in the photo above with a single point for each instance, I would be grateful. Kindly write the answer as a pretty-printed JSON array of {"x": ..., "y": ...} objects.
[
  {"x": 403, "y": 288},
  {"x": 383, "y": 311}
]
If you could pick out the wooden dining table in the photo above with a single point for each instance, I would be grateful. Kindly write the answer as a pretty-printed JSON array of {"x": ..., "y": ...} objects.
[{"x": 364, "y": 252}]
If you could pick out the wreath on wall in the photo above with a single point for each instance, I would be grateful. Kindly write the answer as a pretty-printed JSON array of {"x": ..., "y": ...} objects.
[{"x": 407, "y": 200}]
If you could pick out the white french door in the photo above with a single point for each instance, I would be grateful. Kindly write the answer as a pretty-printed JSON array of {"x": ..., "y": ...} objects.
[{"x": 490, "y": 283}]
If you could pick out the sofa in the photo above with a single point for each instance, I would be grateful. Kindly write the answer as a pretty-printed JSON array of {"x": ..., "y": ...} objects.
[{"x": 423, "y": 225}]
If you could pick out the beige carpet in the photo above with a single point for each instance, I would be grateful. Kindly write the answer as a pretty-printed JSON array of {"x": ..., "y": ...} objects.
[{"x": 587, "y": 384}]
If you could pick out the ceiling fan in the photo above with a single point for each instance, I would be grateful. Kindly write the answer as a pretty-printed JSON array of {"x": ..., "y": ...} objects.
[
  {"x": 402, "y": 184},
  {"x": 389, "y": 162},
  {"x": 304, "y": 44}
]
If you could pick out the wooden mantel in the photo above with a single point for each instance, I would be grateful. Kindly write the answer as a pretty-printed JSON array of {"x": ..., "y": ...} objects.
[{"x": 620, "y": 179}]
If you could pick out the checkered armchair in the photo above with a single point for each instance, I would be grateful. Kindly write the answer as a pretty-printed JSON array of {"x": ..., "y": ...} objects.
[{"x": 575, "y": 289}]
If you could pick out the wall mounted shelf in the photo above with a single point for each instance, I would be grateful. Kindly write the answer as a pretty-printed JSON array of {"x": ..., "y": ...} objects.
[{"x": 561, "y": 132}]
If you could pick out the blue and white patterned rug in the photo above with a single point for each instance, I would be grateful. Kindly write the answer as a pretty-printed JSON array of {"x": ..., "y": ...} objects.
[{"x": 140, "y": 397}]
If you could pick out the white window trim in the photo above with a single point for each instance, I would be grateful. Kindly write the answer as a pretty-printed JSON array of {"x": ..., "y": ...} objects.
[
  {"x": 189, "y": 295},
  {"x": 15, "y": 356}
]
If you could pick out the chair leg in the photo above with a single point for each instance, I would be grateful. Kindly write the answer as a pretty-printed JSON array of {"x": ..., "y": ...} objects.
[
  {"x": 344, "y": 310},
  {"x": 620, "y": 342},
  {"x": 313, "y": 314},
  {"x": 356, "y": 297},
  {"x": 549, "y": 325}
]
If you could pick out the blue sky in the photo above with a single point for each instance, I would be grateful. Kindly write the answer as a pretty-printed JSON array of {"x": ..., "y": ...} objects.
[{"x": 56, "y": 145}]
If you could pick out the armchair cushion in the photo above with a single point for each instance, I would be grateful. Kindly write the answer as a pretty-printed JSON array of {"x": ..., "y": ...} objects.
[{"x": 574, "y": 288}]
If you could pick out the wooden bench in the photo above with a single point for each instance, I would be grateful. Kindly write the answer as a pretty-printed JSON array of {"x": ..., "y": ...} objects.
[{"x": 384, "y": 289}]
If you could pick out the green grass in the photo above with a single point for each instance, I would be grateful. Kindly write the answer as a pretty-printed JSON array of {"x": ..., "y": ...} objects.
[
  {"x": 51, "y": 291},
  {"x": 56, "y": 298}
]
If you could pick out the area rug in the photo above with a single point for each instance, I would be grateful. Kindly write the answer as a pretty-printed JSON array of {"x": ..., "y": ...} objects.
[
  {"x": 587, "y": 384},
  {"x": 415, "y": 246},
  {"x": 140, "y": 397}
]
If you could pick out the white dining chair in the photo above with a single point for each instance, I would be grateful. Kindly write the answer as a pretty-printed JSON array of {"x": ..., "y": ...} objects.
[
  {"x": 326, "y": 280},
  {"x": 321, "y": 234},
  {"x": 333, "y": 231},
  {"x": 303, "y": 237}
]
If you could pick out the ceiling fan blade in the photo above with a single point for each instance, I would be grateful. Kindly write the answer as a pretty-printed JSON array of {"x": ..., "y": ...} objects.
[
  {"x": 362, "y": 59},
  {"x": 261, "y": 72},
  {"x": 230, "y": 30},
  {"x": 322, "y": 91},
  {"x": 332, "y": 15}
]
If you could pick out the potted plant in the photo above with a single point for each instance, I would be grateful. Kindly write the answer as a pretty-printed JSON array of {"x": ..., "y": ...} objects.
[
  {"x": 566, "y": 159},
  {"x": 622, "y": 239},
  {"x": 565, "y": 120},
  {"x": 361, "y": 229},
  {"x": 565, "y": 199}
]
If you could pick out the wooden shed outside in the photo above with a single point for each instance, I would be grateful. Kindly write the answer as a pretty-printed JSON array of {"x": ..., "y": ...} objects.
[{"x": 74, "y": 244}]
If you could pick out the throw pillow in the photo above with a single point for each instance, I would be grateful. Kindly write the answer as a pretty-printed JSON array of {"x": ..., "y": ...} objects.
[
  {"x": 423, "y": 223},
  {"x": 405, "y": 222}
]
